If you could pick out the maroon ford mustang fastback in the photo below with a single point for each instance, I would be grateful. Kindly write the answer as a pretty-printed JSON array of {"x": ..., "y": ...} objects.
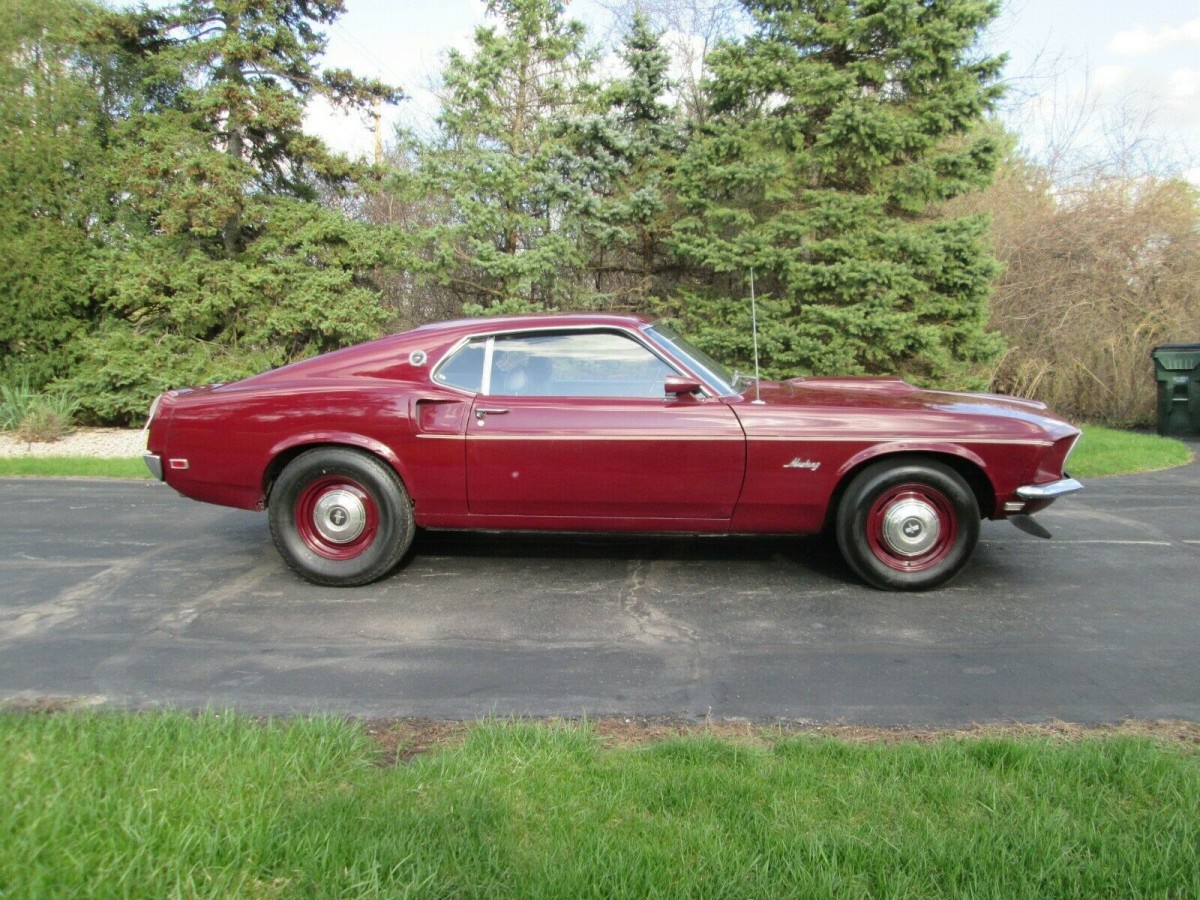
[{"x": 612, "y": 423}]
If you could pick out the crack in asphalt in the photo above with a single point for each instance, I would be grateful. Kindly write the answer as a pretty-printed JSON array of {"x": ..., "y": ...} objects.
[
  {"x": 174, "y": 621},
  {"x": 653, "y": 624},
  {"x": 688, "y": 674},
  {"x": 72, "y": 602}
]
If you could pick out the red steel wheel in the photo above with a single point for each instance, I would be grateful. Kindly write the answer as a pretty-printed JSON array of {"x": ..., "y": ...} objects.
[
  {"x": 912, "y": 527},
  {"x": 908, "y": 523},
  {"x": 336, "y": 517},
  {"x": 340, "y": 516}
]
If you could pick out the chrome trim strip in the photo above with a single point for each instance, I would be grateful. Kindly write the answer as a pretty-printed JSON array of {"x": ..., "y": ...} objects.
[
  {"x": 1074, "y": 444},
  {"x": 887, "y": 441},
  {"x": 154, "y": 463},
  {"x": 800, "y": 442},
  {"x": 489, "y": 356},
  {"x": 566, "y": 436},
  {"x": 1049, "y": 491},
  {"x": 150, "y": 415}
]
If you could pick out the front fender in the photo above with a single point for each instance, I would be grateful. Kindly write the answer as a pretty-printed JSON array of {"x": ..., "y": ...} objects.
[
  {"x": 894, "y": 448},
  {"x": 985, "y": 476}
]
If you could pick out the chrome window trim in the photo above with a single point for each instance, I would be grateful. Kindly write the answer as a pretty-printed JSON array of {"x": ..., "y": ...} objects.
[
  {"x": 489, "y": 356},
  {"x": 707, "y": 378},
  {"x": 634, "y": 334},
  {"x": 446, "y": 357}
]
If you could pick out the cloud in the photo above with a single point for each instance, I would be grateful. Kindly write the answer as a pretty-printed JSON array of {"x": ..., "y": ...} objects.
[
  {"x": 1141, "y": 41},
  {"x": 1110, "y": 76},
  {"x": 1184, "y": 85}
]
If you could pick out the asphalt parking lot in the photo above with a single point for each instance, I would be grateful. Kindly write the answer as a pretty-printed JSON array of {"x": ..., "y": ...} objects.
[{"x": 121, "y": 593}]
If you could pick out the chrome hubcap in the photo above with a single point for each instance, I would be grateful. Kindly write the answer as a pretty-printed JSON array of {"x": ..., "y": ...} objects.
[
  {"x": 911, "y": 527},
  {"x": 339, "y": 516}
]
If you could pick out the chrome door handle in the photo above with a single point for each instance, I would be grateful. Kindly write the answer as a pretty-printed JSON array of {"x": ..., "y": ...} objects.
[{"x": 482, "y": 412}]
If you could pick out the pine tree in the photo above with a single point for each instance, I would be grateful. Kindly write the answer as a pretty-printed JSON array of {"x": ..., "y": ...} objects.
[
  {"x": 624, "y": 206},
  {"x": 688, "y": 30},
  {"x": 224, "y": 89},
  {"x": 52, "y": 127},
  {"x": 497, "y": 162},
  {"x": 837, "y": 125},
  {"x": 222, "y": 262}
]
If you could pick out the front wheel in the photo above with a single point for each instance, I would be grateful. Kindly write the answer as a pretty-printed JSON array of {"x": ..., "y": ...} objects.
[
  {"x": 907, "y": 525},
  {"x": 340, "y": 517}
]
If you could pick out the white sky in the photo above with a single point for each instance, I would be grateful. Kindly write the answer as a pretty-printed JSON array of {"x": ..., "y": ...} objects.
[{"x": 1128, "y": 65}]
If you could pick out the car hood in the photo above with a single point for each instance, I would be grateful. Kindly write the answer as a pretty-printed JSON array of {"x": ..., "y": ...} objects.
[{"x": 888, "y": 397}]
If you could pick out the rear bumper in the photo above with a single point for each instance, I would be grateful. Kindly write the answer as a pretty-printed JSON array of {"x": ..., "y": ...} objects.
[
  {"x": 154, "y": 463},
  {"x": 1049, "y": 491}
]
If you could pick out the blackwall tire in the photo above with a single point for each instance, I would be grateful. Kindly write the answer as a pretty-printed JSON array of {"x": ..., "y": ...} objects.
[
  {"x": 907, "y": 525},
  {"x": 340, "y": 517}
]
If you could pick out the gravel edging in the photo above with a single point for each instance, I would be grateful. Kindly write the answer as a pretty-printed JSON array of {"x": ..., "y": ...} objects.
[{"x": 97, "y": 442}]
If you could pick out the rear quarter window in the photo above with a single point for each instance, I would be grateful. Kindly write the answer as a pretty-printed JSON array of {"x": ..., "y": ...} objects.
[{"x": 464, "y": 369}]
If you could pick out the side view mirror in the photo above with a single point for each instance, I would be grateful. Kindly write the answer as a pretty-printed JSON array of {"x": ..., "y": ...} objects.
[{"x": 679, "y": 384}]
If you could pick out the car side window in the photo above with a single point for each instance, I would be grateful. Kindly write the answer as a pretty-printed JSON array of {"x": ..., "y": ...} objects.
[
  {"x": 576, "y": 364},
  {"x": 465, "y": 368}
]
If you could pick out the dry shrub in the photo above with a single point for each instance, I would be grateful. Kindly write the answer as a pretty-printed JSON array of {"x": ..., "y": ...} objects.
[
  {"x": 1096, "y": 274},
  {"x": 36, "y": 417},
  {"x": 44, "y": 425}
]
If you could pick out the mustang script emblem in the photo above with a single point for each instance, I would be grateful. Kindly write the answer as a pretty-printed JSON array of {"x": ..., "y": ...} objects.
[{"x": 798, "y": 463}]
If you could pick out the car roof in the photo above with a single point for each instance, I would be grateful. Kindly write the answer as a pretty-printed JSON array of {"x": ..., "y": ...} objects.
[
  {"x": 381, "y": 354},
  {"x": 537, "y": 320}
]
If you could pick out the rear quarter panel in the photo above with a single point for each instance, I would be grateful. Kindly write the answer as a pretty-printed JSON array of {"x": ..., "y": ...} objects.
[{"x": 231, "y": 436}]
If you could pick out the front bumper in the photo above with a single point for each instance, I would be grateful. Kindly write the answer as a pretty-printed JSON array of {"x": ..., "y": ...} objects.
[
  {"x": 154, "y": 463},
  {"x": 1050, "y": 491}
]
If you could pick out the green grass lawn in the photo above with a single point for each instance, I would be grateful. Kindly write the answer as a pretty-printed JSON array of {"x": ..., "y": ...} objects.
[
  {"x": 1106, "y": 451},
  {"x": 163, "y": 804},
  {"x": 78, "y": 466}
]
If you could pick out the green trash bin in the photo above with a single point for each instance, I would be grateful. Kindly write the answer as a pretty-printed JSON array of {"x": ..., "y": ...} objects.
[{"x": 1177, "y": 370}]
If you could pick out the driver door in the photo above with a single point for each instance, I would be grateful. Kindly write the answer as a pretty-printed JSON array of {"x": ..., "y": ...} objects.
[{"x": 575, "y": 426}]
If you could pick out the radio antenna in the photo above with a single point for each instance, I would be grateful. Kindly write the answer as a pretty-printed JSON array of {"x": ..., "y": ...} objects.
[{"x": 754, "y": 328}]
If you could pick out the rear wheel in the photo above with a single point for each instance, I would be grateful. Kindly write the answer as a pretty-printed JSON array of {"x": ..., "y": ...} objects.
[
  {"x": 340, "y": 517},
  {"x": 908, "y": 525}
]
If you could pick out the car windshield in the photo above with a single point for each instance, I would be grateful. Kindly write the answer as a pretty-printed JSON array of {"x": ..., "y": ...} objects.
[{"x": 700, "y": 362}]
